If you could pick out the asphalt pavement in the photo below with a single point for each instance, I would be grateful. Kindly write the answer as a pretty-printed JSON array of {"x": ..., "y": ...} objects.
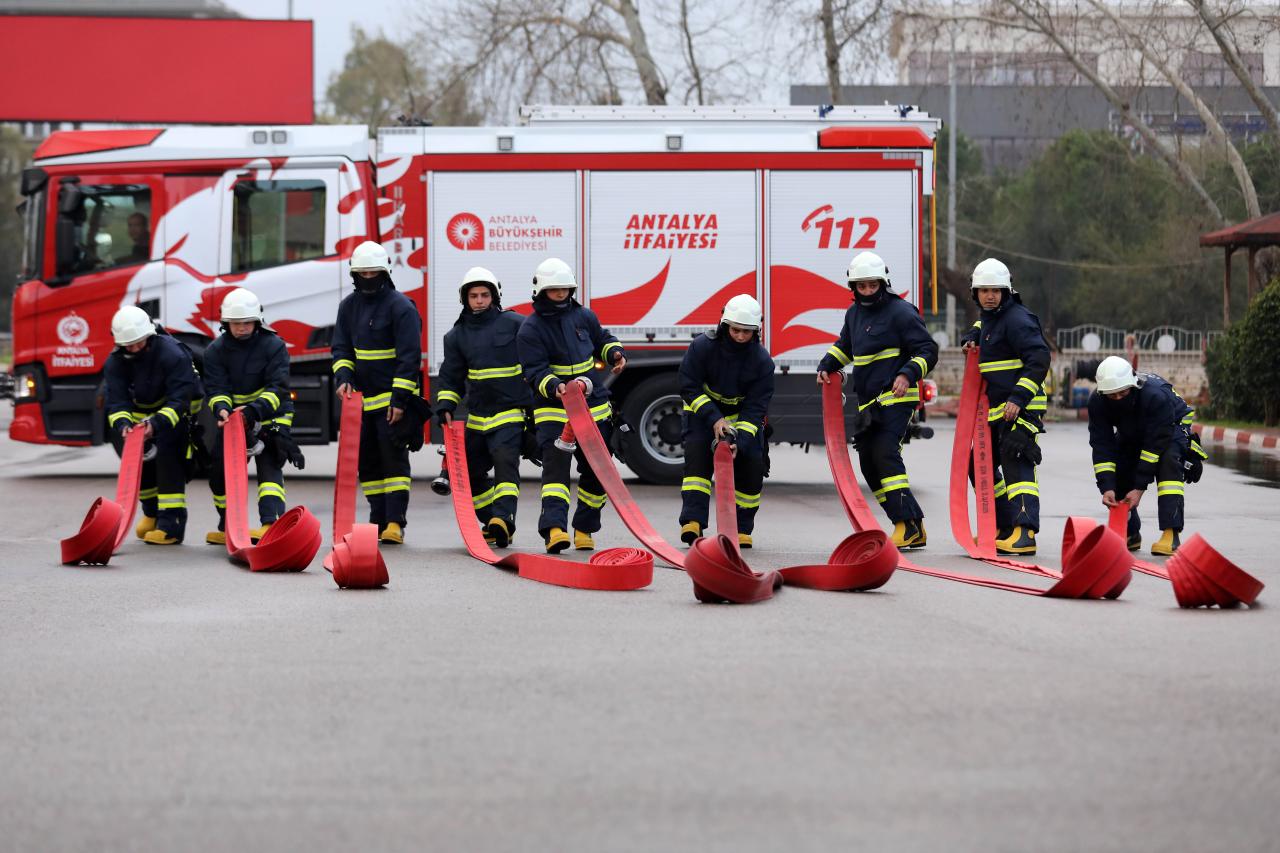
[{"x": 175, "y": 701}]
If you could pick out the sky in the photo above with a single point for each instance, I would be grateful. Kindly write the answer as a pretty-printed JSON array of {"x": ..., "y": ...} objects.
[{"x": 332, "y": 25}]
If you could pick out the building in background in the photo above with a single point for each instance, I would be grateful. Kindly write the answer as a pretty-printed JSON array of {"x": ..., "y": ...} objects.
[{"x": 1017, "y": 93}]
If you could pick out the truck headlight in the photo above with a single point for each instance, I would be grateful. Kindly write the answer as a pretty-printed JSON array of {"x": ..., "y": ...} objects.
[{"x": 25, "y": 388}]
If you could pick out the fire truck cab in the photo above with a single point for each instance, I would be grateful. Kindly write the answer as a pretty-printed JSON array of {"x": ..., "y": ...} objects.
[{"x": 665, "y": 213}]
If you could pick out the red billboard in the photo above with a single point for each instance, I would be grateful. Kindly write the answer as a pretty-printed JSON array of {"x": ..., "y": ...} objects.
[{"x": 165, "y": 70}]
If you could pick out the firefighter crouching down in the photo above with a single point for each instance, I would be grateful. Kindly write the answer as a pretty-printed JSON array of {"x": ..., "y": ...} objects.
[
  {"x": 1140, "y": 431},
  {"x": 726, "y": 381},
  {"x": 152, "y": 386},
  {"x": 377, "y": 350},
  {"x": 559, "y": 343},
  {"x": 480, "y": 358},
  {"x": 885, "y": 339},
  {"x": 1014, "y": 360},
  {"x": 246, "y": 368}
]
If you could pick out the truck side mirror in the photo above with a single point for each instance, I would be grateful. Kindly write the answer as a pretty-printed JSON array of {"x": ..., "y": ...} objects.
[
  {"x": 70, "y": 197},
  {"x": 70, "y": 215}
]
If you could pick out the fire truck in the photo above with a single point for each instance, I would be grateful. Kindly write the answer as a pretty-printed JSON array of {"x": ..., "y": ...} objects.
[{"x": 665, "y": 213}]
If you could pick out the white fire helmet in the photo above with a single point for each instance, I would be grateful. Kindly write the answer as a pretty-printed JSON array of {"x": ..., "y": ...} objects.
[
  {"x": 742, "y": 310},
  {"x": 130, "y": 325},
  {"x": 479, "y": 275},
  {"x": 867, "y": 266},
  {"x": 370, "y": 257},
  {"x": 553, "y": 273},
  {"x": 1115, "y": 374},
  {"x": 240, "y": 305},
  {"x": 991, "y": 273}
]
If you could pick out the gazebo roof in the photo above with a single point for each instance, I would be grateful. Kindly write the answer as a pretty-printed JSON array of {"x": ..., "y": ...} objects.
[{"x": 1263, "y": 231}]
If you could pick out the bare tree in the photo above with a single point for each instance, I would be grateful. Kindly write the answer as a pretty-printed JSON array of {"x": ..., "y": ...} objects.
[
  {"x": 847, "y": 34},
  {"x": 587, "y": 51},
  {"x": 1219, "y": 26},
  {"x": 1152, "y": 54}
]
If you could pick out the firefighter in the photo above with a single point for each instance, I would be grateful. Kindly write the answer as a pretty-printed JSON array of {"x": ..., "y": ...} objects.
[
  {"x": 885, "y": 339},
  {"x": 557, "y": 344},
  {"x": 1140, "y": 432},
  {"x": 377, "y": 350},
  {"x": 152, "y": 386},
  {"x": 246, "y": 369},
  {"x": 726, "y": 381},
  {"x": 1014, "y": 360},
  {"x": 480, "y": 359}
]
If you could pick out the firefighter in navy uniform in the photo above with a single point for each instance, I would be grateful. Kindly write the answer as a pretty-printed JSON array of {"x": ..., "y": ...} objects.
[
  {"x": 1014, "y": 360},
  {"x": 152, "y": 385},
  {"x": 377, "y": 350},
  {"x": 480, "y": 359},
  {"x": 885, "y": 339},
  {"x": 559, "y": 343},
  {"x": 1140, "y": 432},
  {"x": 246, "y": 368},
  {"x": 726, "y": 381}
]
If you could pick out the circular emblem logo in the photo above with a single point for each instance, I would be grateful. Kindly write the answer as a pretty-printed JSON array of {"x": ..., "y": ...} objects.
[
  {"x": 73, "y": 330},
  {"x": 466, "y": 232}
]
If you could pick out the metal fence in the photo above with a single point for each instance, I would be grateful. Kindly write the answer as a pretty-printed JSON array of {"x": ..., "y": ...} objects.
[{"x": 1092, "y": 338}]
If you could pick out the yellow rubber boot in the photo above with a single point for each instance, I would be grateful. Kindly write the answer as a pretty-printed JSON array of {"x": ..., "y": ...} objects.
[
  {"x": 1166, "y": 544},
  {"x": 583, "y": 541},
  {"x": 557, "y": 540},
  {"x": 393, "y": 535},
  {"x": 909, "y": 535},
  {"x": 1021, "y": 540},
  {"x": 690, "y": 532},
  {"x": 159, "y": 537},
  {"x": 744, "y": 540},
  {"x": 258, "y": 532},
  {"x": 497, "y": 530},
  {"x": 215, "y": 537},
  {"x": 145, "y": 526}
]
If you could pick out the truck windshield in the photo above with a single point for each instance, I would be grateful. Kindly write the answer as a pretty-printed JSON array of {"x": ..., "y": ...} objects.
[{"x": 32, "y": 210}]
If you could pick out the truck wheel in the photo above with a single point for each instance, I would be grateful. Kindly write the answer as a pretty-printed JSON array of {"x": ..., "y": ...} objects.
[{"x": 654, "y": 448}]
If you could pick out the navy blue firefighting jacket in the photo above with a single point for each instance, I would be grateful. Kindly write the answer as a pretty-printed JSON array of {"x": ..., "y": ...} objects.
[
  {"x": 253, "y": 373},
  {"x": 480, "y": 360},
  {"x": 160, "y": 383},
  {"x": 558, "y": 345},
  {"x": 377, "y": 347},
  {"x": 720, "y": 378},
  {"x": 1013, "y": 356},
  {"x": 1142, "y": 425},
  {"x": 881, "y": 341}
]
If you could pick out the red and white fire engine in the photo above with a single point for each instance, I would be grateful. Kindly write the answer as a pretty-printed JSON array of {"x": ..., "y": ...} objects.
[{"x": 665, "y": 213}]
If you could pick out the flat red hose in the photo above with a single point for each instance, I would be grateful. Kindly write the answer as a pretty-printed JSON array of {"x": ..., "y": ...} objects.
[
  {"x": 107, "y": 523},
  {"x": 611, "y": 569},
  {"x": 355, "y": 561},
  {"x": 601, "y": 460},
  {"x": 290, "y": 544}
]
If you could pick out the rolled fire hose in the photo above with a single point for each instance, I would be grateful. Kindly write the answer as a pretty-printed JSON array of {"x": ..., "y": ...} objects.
[
  {"x": 1201, "y": 576},
  {"x": 290, "y": 544},
  {"x": 611, "y": 569},
  {"x": 107, "y": 522},
  {"x": 589, "y": 440},
  {"x": 863, "y": 561},
  {"x": 355, "y": 561},
  {"x": 1095, "y": 561}
]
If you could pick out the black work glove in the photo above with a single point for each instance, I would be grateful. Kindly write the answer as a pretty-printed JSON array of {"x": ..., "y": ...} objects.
[
  {"x": 250, "y": 415},
  {"x": 1022, "y": 442}
]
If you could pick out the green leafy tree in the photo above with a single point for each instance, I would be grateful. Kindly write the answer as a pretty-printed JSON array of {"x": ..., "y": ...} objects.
[
  {"x": 1244, "y": 364},
  {"x": 381, "y": 80}
]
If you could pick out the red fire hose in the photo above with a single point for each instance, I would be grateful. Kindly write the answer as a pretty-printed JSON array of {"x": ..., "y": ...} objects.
[
  {"x": 355, "y": 561},
  {"x": 601, "y": 460},
  {"x": 863, "y": 561},
  {"x": 610, "y": 569},
  {"x": 1201, "y": 576},
  {"x": 290, "y": 544},
  {"x": 1095, "y": 562},
  {"x": 107, "y": 522}
]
